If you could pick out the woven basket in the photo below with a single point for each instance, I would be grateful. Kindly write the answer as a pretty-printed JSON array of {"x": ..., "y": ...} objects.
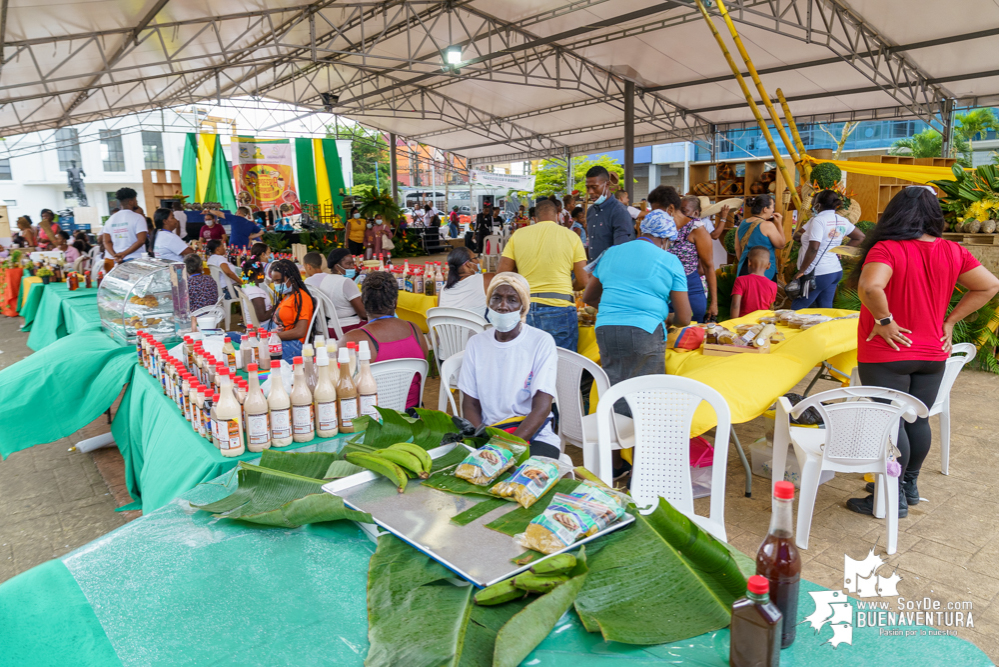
[
  {"x": 757, "y": 188},
  {"x": 706, "y": 189},
  {"x": 852, "y": 214}
]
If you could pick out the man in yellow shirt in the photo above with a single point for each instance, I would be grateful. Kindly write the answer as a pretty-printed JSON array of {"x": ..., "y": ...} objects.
[
  {"x": 355, "y": 232},
  {"x": 552, "y": 258}
]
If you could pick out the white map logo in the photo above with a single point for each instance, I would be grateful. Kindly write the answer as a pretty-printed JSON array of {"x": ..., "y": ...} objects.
[{"x": 832, "y": 607}]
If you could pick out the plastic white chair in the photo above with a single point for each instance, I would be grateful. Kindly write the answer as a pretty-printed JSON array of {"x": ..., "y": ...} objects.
[
  {"x": 855, "y": 439},
  {"x": 249, "y": 312},
  {"x": 394, "y": 378},
  {"x": 217, "y": 276},
  {"x": 449, "y": 330},
  {"x": 214, "y": 310},
  {"x": 329, "y": 313},
  {"x": 450, "y": 370},
  {"x": 574, "y": 427},
  {"x": 662, "y": 407},
  {"x": 81, "y": 264},
  {"x": 961, "y": 354}
]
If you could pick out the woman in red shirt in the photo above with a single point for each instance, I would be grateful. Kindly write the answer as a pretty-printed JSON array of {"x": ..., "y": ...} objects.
[{"x": 906, "y": 278}]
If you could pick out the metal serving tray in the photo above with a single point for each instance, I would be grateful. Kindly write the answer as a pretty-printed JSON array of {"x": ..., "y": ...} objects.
[{"x": 422, "y": 517}]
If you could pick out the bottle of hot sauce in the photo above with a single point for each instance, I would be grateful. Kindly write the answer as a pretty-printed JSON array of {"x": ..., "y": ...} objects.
[
  {"x": 756, "y": 626},
  {"x": 346, "y": 394},
  {"x": 779, "y": 561}
]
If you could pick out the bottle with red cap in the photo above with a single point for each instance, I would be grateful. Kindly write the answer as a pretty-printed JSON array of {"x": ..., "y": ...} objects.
[
  {"x": 756, "y": 627},
  {"x": 303, "y": 416},
  {"x": 229, "y": 355},
  {"x": 779, "y": 561},
  {"x": 280, "y": 406}
]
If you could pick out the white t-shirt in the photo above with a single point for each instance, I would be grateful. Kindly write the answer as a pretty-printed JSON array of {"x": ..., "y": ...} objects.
[
  {"x": 828, "y": 229},
  {"x": 315, "y": 280},
  {"x": 124, "y": 228},
  {"x": 505, "y": 376},
  {"x": 467, "y": 294},
  {"x": 254, "y": 292},
  {"x": 341, "y": 290},
  {"x": 168, "y": 246},
  {"x": 719, "y": 253},
  {"x": 181, "y": 217},
  {"x": 219, "y": 261}
]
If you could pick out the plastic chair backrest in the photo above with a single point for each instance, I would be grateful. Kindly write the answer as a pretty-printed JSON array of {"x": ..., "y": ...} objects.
[
  {"x": 662, "y": 408},
  {"x": 216, "y": 275},
  {"x": 961, "y": 354},
  {"x": 451, "y": 368},
  {"x": 450, "y": 329},
  {"x": 214, "y": 310},
  {"x": 246, "y": 305},
  {"x": 567, "y": 393},
  {"x": 491, "y": 246},
  {"x": 394, "y": 378},
  {"x": 81, "y": 264},
  {"x": 858, "y": 430},
  {"x": 329, "y": 311}
]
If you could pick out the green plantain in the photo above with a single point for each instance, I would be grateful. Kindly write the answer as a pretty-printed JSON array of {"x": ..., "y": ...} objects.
[
  {"x": 419, "y": 452},
  {"x": 404, "y": 460},
  {"x": 384, "y": 467},
  {"x": 499, "y": 593},
  {"x": 560, "y": 564},
  {"x": 539, "y": 583}
]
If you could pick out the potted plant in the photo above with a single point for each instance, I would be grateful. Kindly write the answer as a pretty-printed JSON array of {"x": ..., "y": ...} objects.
[{"x": 45, "y": 273}]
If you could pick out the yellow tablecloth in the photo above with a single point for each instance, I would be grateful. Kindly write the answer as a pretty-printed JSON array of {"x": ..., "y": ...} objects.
[
  {"x": 413, "y": 308},
  {"x": 26, "y": 284},
  {"x": 752, "y": 382}
]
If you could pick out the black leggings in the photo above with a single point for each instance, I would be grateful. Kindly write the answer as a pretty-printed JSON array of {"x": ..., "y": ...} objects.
[
  {"x": 917, "y": 378},
  {"x": 355, "y": 247}
]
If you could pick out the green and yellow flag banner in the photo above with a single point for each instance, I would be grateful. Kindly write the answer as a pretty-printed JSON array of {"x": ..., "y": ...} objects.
[
  {"x": 319, "y": 159},
  {"x": 204, "y": 173}
]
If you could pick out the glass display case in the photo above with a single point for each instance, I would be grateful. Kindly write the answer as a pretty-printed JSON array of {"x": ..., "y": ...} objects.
[{"x": 144, "y": 295}]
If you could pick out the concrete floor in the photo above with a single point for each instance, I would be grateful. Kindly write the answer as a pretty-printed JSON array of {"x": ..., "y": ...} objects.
[{"x": 54, "y": 499}]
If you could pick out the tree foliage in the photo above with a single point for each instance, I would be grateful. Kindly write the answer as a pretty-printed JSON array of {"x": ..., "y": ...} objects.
[
  {"x": 367, "y": 149},
  {"x": 550, "y": 179}
]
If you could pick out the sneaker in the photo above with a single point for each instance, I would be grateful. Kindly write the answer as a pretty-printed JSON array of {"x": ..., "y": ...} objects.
[
  {"x": 866, "y": 505},
  {"x": 909, "y": 499}
]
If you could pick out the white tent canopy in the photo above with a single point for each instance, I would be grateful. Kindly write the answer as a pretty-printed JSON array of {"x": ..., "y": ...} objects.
[{"x": 537, "y": 77}]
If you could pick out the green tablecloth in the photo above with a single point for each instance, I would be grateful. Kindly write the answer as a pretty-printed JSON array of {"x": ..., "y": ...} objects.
[
  {"x": 179, "y": 587},
  {"x": 163, "y": 455},
  {"x": 60, "y": 389},
  {"x": 52, "y": 317},
  {"x": 30, "y": 303}
]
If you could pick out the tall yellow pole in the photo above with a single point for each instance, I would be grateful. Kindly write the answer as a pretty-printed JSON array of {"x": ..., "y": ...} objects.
[
  {"x": 803, "y": 165},
  {"x": 753, "y": 106},
  {"x": 759, "y": 84}
]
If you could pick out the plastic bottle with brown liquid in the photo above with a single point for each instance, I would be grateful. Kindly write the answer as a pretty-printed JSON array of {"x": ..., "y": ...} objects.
[
  {"x": 303, "y": 419},
  {"x": 324, "y": 398},
  {"x": 346, "y": 394},
  {"x": 229, "y": 421},
  {"x": 258, "y": 418},
  {"x": 756, "y": 627},
  {"x": 334, "y": 367},
  {"x": 274, "y": 349},
  {"x": 367, "y": 387},
  {"x": 248, "y": 347},
  {"x": 229, "y": 354},
  {"x": 779, "y": 561},
  {"x": 280, "y": 406},
  {"x": 263, "y": 350}
]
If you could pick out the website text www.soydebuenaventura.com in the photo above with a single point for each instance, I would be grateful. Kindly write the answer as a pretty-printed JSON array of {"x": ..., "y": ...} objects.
[{"x": 891, "y": 617}]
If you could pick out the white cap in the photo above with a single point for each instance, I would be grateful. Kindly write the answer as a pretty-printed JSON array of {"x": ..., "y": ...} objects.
[
  {"x": 322, "y": 357},
  {"x": 343, "y": 356},
  {"x": 362, "y": 346},
  {"x": 364, "y": 354}
]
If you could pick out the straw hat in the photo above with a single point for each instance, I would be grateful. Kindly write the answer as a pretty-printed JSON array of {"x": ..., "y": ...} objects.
[{"x": 708, "y": 209}]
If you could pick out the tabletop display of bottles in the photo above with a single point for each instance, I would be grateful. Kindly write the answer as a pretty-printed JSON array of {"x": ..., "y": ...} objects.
[
  {"x": 428, "y": 279},
  {"x": 234, "y": 415}
]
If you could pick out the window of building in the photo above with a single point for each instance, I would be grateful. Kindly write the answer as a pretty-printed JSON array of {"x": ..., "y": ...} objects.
[
  {"x": 11, "y": 202},
  {"x": 152, "y": 150},
  {"x": 68, "y": 148},
  {"x": 5, "y": 170},
  {"x": 112, "y": 201},
  {"x": 112, "y": 152}
]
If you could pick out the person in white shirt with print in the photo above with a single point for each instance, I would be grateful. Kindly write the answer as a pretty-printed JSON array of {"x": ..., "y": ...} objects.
[
  {"x": 824, "y": 231},
  {"x": 166, "y": 243},
  {"x": 217, "y": 257},
  {"x": 125, "y": 232}
]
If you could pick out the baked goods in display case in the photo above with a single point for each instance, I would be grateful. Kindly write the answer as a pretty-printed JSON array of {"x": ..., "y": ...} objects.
[{"x": 148, "y": 295}]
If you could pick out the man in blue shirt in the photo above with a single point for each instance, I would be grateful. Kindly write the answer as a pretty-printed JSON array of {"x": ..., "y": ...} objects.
[
  {"x": 608, "y": 222},
  {"x": 242, "y": 231}
]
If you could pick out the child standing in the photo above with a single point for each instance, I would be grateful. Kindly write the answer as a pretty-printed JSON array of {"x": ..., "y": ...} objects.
[{"x": 754, "y": 291}]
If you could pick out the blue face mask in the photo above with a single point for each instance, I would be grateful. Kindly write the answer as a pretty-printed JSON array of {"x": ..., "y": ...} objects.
[
  {"x": 280, "y": 288},
  {"x": 349, "y": 273}
]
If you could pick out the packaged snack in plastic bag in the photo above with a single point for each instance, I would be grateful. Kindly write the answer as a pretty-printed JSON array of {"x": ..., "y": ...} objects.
[
  {"x": 488, "y": 462},
  {"x": 531, "y": 480},
  {"x": 565, "y": 520},
  {"x": 602, "y": 495}
]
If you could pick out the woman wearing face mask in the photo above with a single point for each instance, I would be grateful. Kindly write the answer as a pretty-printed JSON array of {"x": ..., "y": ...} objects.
[
  {"x": 356, "y": 226},
  {"x": 824, "y": 231},
  {"x": 211, "y": 230},
  {"x": 294, "y": 310},
  {"x": 692, "y": 247},
  {"x": 466, "y": 286},
  {"x": 508, "y": 373},
  {"x": 215, "y": 250},
  {"x": 373, "y": 236},
  {"x": 388, "y": 337},
  {"x": 340, "y": 288},
  {"x": 761, "y": 228}
]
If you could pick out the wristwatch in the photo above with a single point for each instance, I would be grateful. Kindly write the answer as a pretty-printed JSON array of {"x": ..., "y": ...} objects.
[{"x": 885, "y": 321}]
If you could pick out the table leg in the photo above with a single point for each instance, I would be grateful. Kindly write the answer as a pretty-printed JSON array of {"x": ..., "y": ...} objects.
[{"x": 745, "y": 464}]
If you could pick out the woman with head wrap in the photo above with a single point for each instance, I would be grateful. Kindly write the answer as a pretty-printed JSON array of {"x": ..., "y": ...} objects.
[
  {"x": 634, "y": 285},
  {"x": 508, "y": 372},
  {"x": 340, "y": 288}
]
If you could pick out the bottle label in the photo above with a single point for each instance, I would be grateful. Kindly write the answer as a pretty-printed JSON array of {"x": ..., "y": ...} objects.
[
  {"x": 326, "y": 413},
  {"x": 229, "y": 433},
  {"x": 215, "y": 435},
  {"x": 196, "y": 418},
  {"x": 281, "y": 423},
  {"x": 368, "y": 403},
  {"x": 185, "y": 406},
  {"x": 303, "y": 419},
  {"x": 231, "y": 360},
  {"x": 258, "y": 429},
  {"x": 348, "y": 412}
]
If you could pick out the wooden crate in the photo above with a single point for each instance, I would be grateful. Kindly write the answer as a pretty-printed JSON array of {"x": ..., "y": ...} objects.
[
  {"x": 713, "y": 350},
  {"x": 874, "y": 192},
  {"x": 972, "y": 239},
  {"x": 159, "y": 184}
]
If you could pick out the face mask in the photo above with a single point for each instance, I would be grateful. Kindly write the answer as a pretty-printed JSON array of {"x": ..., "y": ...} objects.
[
  {"x": 378, "y": 221},
  {"x": 280, "y": 288},
  {"x": 601, "y": 199},
  {"x": 504, "y": 322},
  {"x": 349, "y": 273},
  {"x": 370, "y": 225}
]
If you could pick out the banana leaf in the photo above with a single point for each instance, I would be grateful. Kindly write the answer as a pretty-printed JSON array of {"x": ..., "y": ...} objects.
[
  {"x": 393, "y": 428},
  {"x": 434, "y": 425},
  {"x": 446, "y": 481},
  {"x": 478, "y": 510},
  {"x": 641, "y": 590},
  {"x": 452, "y": 458},
  {"x": 483, "y": 626},
  {"x": 313, "y": 508},
  {"x": 416, "y": 618},
  {"x": 308, "y": 464},
  {"x": 522, "y": 633},
  {"x": 247, "y": 480},
  {"x": 342, "y": 469},
  {"x": 516, "y": 521}
]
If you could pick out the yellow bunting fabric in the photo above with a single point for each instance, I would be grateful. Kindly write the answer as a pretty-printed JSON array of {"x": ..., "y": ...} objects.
[
  {"x": 323, "y": 193},
  {"x": 206, "y": 150},
  {"x": 916, "y": 173}
]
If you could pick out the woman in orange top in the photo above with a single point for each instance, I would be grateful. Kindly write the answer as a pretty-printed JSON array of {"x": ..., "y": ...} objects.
[{"x": 294, "y": 311}]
